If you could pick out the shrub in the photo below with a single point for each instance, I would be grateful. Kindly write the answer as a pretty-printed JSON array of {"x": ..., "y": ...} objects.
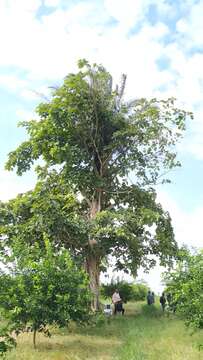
[
  {"x": 139, "y": 292},
  {"x": 51, "y": 290},
  {"x": 127, "y": 291},
  {"x": 186, "y": 287},
  {"x": 7, "y": 342}
]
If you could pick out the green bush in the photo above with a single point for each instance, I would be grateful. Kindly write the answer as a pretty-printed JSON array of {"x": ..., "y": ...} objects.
[
  {"x": 7, "y": 342},
  {"x": 127, "y": 291},
  {"x": 50, "y": 290},
  {"x": 186, "y": 287},
  {"x": 139, "y": 292}
]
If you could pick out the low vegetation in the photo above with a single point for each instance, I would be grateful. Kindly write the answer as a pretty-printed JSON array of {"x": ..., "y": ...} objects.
[{"x": 143, "y": 333}]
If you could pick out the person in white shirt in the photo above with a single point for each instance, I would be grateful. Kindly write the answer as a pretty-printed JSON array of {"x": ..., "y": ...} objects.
[
  {"x": 116, "y": 297},
  {"x": 117, "y": 301}
]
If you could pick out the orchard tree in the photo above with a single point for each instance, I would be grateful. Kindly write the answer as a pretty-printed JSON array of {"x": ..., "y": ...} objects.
[
  {"x": 185, "y": 285},
  {"x": 37, "y": 293},
  {"x": 94, "y": 139}
]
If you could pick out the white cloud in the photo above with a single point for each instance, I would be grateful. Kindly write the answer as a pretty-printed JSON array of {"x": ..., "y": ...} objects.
[
  {"x": 20, "y": 6},
  {"x": 127, "y": 12},
  {"x": 50, "y": 48},
  {"x": 190, "y": 29},
  {"x": 52, "y": 3},
  {"x": 187, "y": 73},
  {"x": 165, "y": 8},
  {"x": 46, "y": 48},
  {"x": 185, "y": 82},
  {"x": 131, "y": 56},
  {"x": 12, "y": 83},
  {"x": 187, "y": 225}
]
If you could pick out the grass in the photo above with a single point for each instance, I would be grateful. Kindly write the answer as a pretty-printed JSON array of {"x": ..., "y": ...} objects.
[
  {"x": 142, "y": 334},
  {"x": 155, "y": 336}
]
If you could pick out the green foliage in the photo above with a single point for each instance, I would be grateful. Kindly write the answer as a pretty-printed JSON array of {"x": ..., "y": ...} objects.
[
  {"x": 50, "y": 290},
  {"x": 98, "y": 319},
  {"x": 7, "y": 342},
  {"x": 139, "y": 292},
  {"x": 122, "y": 230},
  {"x": 51, "y": 208},
  {"x": 186, "y": 287},
  {"x": 87, "y": 127},
  {"x": 127, "y": 291},
  {"x": 97, "y": 138}
]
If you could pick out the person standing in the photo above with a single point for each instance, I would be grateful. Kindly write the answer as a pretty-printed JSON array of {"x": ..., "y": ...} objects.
[
  {"x": 163, "y": 301},
  {"x": 149, "y": 298},
  {"x": 116, "y": 299},
  {"x": 169, "y": 298},
  {"x": 153, "y": 298}
]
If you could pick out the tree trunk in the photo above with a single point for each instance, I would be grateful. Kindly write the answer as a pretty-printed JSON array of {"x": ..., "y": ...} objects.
[
  {"x": 93, "y": 258},
  {"x": 92, "y": 266},
  {"x": 34, "y": 338}
]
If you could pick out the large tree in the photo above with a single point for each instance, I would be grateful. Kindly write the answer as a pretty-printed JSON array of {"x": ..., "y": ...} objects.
[{"x": 94, "y": 140}]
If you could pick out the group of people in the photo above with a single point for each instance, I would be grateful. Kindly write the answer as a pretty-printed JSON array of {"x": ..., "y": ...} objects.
[
  {"x": 118, "y": 303},
  {"x": 164, "y": 299}
]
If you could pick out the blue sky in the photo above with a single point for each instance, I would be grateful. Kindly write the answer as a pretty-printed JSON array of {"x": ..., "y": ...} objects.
[{"x": 157, "y": 43}]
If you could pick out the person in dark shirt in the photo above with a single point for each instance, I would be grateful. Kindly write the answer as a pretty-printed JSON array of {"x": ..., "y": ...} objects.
[
  {"x": 169, "y": 298},
  {"x": 153, "y": 298},
  {"x": 163, "y": 301},
  {"x": 119, "y": 307},
  {"x": 149, "y": 298}
]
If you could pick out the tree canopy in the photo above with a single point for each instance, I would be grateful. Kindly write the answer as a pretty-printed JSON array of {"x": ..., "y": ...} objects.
[
  {"x": 98, "y": 138},
  {"x": 120, "y": 231}
]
